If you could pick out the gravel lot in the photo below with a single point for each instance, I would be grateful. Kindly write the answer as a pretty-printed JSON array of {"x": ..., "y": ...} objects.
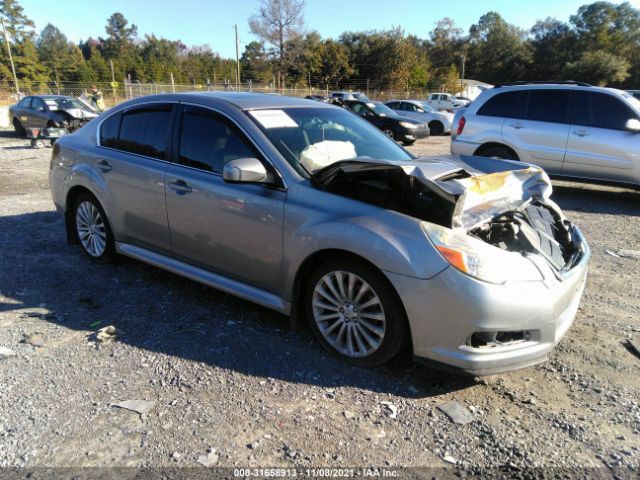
[{"x": 230, "y": 380}]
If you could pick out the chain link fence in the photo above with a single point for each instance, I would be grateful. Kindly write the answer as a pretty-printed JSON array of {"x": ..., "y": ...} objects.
[{"x": 117, "y": 92}]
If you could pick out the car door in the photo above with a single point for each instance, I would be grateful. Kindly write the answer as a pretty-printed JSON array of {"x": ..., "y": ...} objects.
[
  {"x": 599, "y": 145},
  {"x": 131, "y": 161},
  {"x": 230, "y": 228},
  {"x": 37, "y": 116},
  {"x": 411, "y": 110},
  {"x": 539, "y": 127}
]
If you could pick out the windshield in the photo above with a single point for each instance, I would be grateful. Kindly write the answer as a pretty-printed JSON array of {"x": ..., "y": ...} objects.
[
  {"x": 361, "y": 96},
  {"x": 632, "y": 100},
  {"x": 381, "y": 109},
  {"x": 427, "y": 108},
  {"x": 312, "y": 138},
  {"x": 64, "y": 104}
]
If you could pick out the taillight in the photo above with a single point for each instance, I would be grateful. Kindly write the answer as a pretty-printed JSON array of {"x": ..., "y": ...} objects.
[{"x": 461, "y": 123}]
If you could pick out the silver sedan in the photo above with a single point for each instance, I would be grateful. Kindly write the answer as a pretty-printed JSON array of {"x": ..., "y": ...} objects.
[
  {"x": 309, "y": 210},
  {"x": 439, "y": 121}
]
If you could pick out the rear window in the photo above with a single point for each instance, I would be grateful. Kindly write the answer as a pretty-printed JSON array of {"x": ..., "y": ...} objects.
[
  {"x": 548, "y": 106},
  {"x": 508, "y": 104},
  {"x": 145, "y": 130}
]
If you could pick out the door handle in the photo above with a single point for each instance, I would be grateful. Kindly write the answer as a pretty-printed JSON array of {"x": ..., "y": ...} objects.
[
  {"x": 517, "y": 126},
  {"x": 180, "y": 186},
  {"x": 580, "y": 133},
  {"x": 103, "y": 165}
]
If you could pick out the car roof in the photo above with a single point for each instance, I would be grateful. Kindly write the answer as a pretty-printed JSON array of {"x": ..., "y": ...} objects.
[
  {"x": 49, "y": 97},
  {"x": 254, "y": 101},
  {"x": 555, "y": 86}
]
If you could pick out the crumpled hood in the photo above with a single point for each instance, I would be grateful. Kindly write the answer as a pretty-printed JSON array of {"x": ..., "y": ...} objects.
[
  {"x": 79, "y": 113},
  {"x": 480, "y": 188}
]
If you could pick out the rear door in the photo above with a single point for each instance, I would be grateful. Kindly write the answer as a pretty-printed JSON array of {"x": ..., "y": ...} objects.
[
  {"x": 539, "y": 127},
  {"x": 132, "y": 161},
  {"x": 599, "y": 145},
  {"x": 230, "y": 228}
]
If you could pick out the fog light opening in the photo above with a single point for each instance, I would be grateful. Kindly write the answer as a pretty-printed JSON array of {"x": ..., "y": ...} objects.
[{"x": 497, "y": 339}]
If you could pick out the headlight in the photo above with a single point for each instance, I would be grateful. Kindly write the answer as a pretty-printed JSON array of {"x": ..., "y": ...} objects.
[
  {"x": 479, "y": 259},
  {"x": 408, "y": 125}
]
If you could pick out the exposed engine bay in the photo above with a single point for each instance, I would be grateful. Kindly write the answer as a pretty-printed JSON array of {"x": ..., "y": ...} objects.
[{"x": 504, "y": 204}]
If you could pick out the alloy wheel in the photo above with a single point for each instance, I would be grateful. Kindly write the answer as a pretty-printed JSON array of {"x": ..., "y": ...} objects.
[
  {"x": 91, "y": 229},
  {"x": 348, "y": 314}
]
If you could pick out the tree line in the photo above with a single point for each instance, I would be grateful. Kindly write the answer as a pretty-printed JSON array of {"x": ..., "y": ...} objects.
[{"x": 600, "y": 44}]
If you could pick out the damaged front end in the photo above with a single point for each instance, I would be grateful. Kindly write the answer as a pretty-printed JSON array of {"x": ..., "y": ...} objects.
[{"x": 493, "y": 221}]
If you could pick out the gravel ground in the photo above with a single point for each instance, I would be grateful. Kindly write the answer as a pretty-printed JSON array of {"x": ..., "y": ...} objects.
[{"x": 228, "y": 379}]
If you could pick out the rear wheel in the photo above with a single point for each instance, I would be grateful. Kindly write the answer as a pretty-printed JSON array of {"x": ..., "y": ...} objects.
[
  {"x": 17, "y": 126},
  {"x": 355, "y": 313},
  {"x": 498, "y": 152},
  {"x": 436, "y": 128},
  {"x": 92, "y": 229}
]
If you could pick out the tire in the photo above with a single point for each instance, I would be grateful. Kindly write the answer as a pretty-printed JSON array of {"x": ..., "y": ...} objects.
[
  {"x": 365, "y": 325},
  {"x": 389, "y": 133},
  {"x": 17, "y": 126},
  {"x": 436, "y": 128},
  {"x": 92, "y": 229},
  {"x": 498, "y": 152},
  {"x": 37, "y": 143},
  {"x": 408, "y": 143}
]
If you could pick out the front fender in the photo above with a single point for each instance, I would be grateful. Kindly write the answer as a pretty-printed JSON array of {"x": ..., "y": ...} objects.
[{"x": 389, "y": 240}]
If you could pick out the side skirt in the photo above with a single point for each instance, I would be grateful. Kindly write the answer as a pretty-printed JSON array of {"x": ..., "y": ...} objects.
[{"x": 219, "y": 282}]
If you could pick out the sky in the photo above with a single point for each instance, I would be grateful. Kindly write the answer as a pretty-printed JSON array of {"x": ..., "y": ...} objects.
[{"x": 197, "y": 22}]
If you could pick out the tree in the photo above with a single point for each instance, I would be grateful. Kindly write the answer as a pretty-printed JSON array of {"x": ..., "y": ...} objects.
[
  {"x": 497, "y": 50},
  {"x": 446, "y": 43},
  {"x": 18, "y": 25},
  {"x": 55, "y": 53},
  {"x": 277, "y": 22},
  {"x": 554, "y": 45},
  {"x": 598, "y": 68},
  {"x": 254, "y": 63},
  {"x": 333, "y": 63}
]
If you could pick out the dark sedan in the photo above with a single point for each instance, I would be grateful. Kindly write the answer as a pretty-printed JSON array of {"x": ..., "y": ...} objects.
[
  {"x": 402, "y": 129},
  {"x": 47, "y": 111}
]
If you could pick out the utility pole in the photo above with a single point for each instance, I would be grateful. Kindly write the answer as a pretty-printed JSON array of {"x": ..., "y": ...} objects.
[
  {"x": 13, "y": 68},
  {"x": 464, "y": 61},
  {"x": 173, "y": 83},
  {"x": 237, "y": 60}
]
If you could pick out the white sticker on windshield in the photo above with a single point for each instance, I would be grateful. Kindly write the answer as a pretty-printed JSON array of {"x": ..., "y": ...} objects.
[{"x": 273, "y": 118}]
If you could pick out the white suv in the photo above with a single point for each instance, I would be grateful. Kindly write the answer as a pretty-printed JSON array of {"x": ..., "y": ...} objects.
[{"x": 570, "y": 129}]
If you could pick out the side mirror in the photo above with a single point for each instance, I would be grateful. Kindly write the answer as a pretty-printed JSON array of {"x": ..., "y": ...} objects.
[
  {"x": 245, "y": 170},
  {"x": 633, "y": 125}
]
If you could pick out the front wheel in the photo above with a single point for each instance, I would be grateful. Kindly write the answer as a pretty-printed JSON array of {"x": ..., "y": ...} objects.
[
  {"x": 436, "y": 129},
  {"x": 92, "y": 229},
  {"x": 355, "y": 313},
  {"x": 388, "y": 133},
  {"x": 408, "y": 143}
]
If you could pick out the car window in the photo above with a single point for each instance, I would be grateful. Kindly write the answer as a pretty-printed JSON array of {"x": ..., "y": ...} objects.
[
  {"x": 600, "y": 110},
  {"x": 145, "y": 130},
  {"x": 507, "y": 104},
  {"x": 208, "y": 140},
  {"x": 25, "y": 102},
  {"x": 37, "y": 104},
  {"x": 359, "y": 108},
  {"x": 109, "y": 131},
  {"x": 548, "y": 106},
  {"x": 393, "y": 105}
]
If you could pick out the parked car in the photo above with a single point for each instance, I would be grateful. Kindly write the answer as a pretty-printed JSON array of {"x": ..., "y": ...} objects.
[
  {"x": 343, "y": 95},
  {"x": 570, "y": 129},
  {"x": 318, "y": 98},
  {"x": 47, "y": 111},
  {"x": 307, "y": 209},
  {"x": 400, "y": 128},
  {"x": 439, "y": 122},
  {"x": 445, "y": 101}
]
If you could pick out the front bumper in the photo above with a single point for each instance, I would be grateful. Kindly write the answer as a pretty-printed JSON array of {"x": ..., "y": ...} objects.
[
  {"x": 414, "y": 134},
  {"x": 446, "y": 310}
]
